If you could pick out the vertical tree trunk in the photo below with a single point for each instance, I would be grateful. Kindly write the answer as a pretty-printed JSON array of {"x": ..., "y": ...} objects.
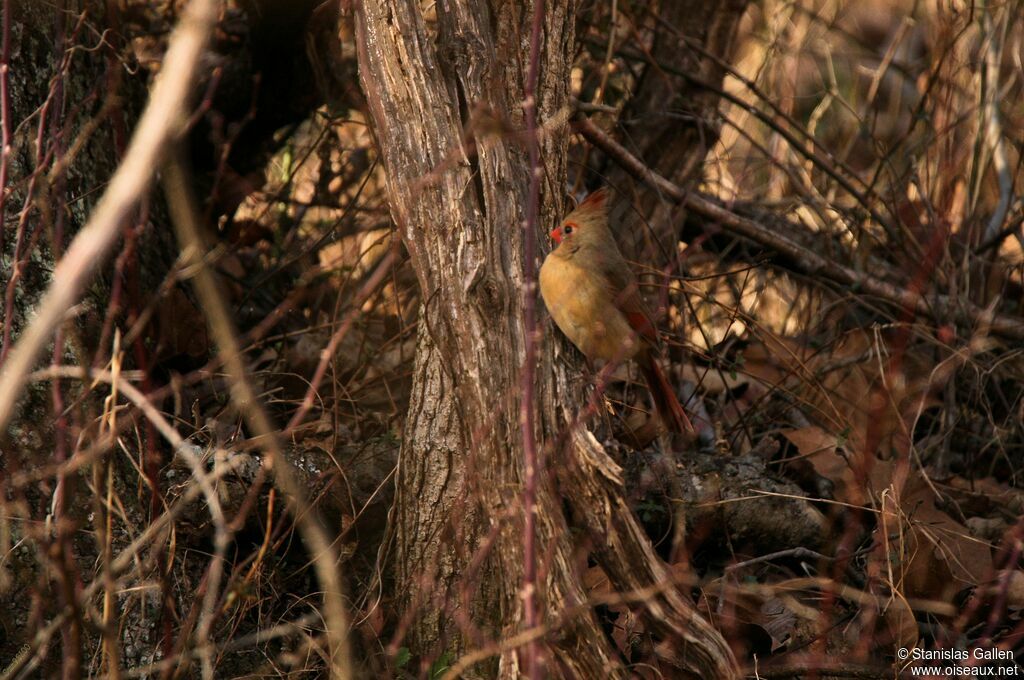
[
  {"x": 457, "y": 196},
  {"x": 445, "y": 102},
  {"x": 671, "y": 121}
]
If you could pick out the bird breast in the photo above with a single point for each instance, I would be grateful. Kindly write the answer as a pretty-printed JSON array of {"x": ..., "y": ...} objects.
[{"x": 583, "y": 308}]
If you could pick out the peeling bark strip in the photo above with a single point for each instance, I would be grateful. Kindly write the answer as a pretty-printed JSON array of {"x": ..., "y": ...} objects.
[{"x": 457, "y": 195}]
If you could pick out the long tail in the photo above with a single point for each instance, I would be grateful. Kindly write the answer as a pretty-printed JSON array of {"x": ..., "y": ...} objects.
[{"x": 669, "y": 409}]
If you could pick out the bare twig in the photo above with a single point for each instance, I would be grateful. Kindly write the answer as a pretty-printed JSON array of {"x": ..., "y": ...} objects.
[
  {"x": 5, "y": 115},
  {"x": 534, "y": 667},
  {"x": 161, "y": 123},
  {"x": 802, "y": 259},
  {"x": 825, "y": 160},
  {"x": 185, "y": 216},
  {"x": 281, "y": 630},
  {"x": 181, "y": 448},
  {"x": 126, "y": 558},
  {"x": 364, "y": 293}
]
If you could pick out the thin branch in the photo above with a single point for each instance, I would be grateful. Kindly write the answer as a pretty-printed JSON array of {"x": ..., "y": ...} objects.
[
  {"x": 5, "y": 115},
  {"x": 185, "y": 215},
  {"x": 362, "y": 295},
  {"x": 162, "y": 122},
  {"x": 993, "y": 124},
  {"x": 183, "y": 450},
  {"x": 802, "y": 259},
  {"x": 125, "y": 559},
  {"x": 534, "y": 667},
  {"x": 826, "y": 161},
  {"x": 250, "y": 641}
]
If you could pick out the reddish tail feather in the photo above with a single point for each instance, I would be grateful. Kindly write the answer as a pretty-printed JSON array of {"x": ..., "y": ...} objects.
[{"x": 669, "y": 409}]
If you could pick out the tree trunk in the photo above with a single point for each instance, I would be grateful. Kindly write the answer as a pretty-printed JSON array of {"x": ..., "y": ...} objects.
[
  {"x": 671, "y": 121},
  {"x": 444, "y": 100},
  {"x": 460, "y": 210}
]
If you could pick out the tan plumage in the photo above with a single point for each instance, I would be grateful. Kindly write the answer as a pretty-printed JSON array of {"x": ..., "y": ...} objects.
[{"x": 594, "y": 299}]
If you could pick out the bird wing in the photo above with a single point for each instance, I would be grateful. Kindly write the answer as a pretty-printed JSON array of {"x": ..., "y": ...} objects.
[{"x": 625, "y": 292}]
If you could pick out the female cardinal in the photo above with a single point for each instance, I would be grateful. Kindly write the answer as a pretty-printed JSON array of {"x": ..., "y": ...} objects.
[{"x": 594, "y": 299}]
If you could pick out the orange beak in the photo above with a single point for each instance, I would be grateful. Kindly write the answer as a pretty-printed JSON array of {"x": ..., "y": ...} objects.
[{"x": 556, "y": 235}]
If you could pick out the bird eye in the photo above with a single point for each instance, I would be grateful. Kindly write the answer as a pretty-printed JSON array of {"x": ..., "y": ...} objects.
[{"x": 567, "y": 229}]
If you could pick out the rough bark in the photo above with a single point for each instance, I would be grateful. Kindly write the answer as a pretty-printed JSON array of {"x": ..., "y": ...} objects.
[
  {"x": 457, "y": 194},
  {"x": 459, "y": 214}
]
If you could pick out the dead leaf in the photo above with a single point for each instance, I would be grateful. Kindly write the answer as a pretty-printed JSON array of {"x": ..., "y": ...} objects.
[
  {"x": 181, "y": 327},
  {"x": 819, "y": 448},
  {"x": 899, "y": 619},
  {"x": 778, "y": 621},
  {"x": 931, "y": 555}
]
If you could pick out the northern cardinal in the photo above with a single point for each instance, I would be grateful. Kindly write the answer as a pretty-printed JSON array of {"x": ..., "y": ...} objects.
[{"x": 593, "y": 297}]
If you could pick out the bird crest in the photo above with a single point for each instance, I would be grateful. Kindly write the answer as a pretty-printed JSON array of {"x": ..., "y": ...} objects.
[
  {"x": 592, "y": 209},
  {"x": 596, "y": 201}
]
